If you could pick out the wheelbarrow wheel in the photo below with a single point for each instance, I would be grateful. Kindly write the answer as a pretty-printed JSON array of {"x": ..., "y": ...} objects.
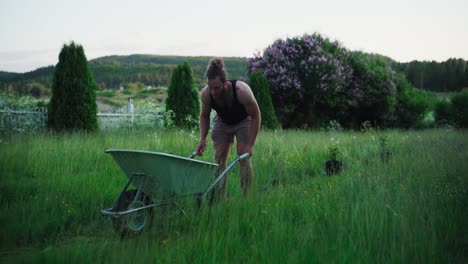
[{"x": 132, "y": 224}]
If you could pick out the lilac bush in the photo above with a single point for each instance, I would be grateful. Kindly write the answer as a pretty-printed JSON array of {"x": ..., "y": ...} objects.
[
  {"x": 312, "y": 80},
  {"x": 303, "y": 72}
]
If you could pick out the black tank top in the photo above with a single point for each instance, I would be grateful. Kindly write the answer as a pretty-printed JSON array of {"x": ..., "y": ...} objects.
[{"x": 235, "y": 113}]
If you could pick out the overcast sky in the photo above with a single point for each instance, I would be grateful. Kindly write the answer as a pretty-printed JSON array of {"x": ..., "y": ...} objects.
[{"x": 33, "y": 31}]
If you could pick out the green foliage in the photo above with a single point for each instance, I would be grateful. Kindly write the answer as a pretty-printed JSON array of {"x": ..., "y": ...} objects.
[
  {"x": 449, "y": 75},
  {"x": 371, "y": 89},
  {"x": 37, "y": 90},
  {"x": 442, "y": 112},
  {"x": 183, "y": 98},
  {"x": 333, "y": 149},
  {"x": 127, "y": 92},
  {"x": 73, "y": 103},
  {"x": 106, "y": 93},
  {"x": 411, "y": 105},
  {"x": 150, "y": 91},
  {"x": 459, "y": 109},
  {"x": 261, "y": 90},
  {"x": 135, "y": 86},
  {"x": 307, "y": 76},
  {"x": 20, "y": 123},
  {"x": 118, "y": 102},
  {"x": 314, "y": 80}
]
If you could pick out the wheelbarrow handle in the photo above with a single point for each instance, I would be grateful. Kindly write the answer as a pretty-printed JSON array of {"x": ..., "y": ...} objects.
[
  {"x": 225, "y": 171},
  {"x": 192, "y": 155},
  {"x": 244, "y": 156}
]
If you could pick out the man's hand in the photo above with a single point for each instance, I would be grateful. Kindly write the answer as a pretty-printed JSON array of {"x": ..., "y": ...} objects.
[{"x": 201, "y": 147}]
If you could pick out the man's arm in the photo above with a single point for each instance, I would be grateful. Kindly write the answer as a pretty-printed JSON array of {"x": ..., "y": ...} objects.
[
  {"x": 246, "y": 98},
  {"x": 204, "y": 120}
]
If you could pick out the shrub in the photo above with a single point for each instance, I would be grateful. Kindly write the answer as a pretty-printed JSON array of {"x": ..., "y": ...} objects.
[
  {"x": 183, "y": 99},
  {"x": 127, "y": 92},
  {"x": 314, "y": 80},
  {"x": 37, "y": 89},
  {"x": 459, "y": 109},
  {"x": 442, "y": 113},
  {"x": 371, "y": 89},
  {"x": 411, "y": 106},
  {"x": 11, "y": 123},
  {"x": 305, "y": 73},
  {"x": 261, "y": 90},
  {"x": 73, "y": 103},
  {"x": 106, "y": 93},
  {"x": 137, "y": 86}
]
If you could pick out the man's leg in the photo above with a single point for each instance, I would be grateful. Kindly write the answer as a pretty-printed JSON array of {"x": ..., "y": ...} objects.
[
  {"x": 221, "y": 153},
  {"x": 222, "y": 140},
  {"x": 246, "y": 170}
]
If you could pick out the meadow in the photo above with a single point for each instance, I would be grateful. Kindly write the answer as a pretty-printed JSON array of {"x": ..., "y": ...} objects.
[{"x": 409, "y": 209}]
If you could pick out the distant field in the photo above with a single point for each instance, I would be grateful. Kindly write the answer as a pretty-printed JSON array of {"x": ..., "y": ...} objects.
[
  {"x": 109, "y": 100},
  {"x": 411, "y": 209}
]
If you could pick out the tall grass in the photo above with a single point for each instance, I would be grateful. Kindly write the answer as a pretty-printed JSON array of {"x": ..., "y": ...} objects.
[{"x": 412, "y": 208}]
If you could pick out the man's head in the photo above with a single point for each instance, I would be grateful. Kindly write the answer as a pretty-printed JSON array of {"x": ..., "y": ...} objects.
[
  {"x": 217, "y": 87},
  {"x": 216, "y": 76}
]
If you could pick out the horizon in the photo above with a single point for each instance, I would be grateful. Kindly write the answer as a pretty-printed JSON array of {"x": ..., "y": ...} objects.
[{"x": 35, "y": 32}]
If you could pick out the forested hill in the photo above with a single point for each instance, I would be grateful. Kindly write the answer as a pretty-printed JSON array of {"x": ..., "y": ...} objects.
[{"x": 111, "y": 72}]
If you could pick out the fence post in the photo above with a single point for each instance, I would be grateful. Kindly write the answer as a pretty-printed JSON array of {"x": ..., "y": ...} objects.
[{"x": 130, "y": 109}]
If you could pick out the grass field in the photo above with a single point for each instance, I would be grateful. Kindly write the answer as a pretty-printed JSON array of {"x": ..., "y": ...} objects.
[{"x": 411, "y": 209}]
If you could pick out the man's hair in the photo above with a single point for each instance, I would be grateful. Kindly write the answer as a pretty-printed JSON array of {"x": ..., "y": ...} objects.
[{"x": 216, "y": 69}]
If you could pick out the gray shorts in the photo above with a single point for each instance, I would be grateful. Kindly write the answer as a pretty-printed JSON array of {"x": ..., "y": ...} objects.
[{"x": 224, "y": 133}]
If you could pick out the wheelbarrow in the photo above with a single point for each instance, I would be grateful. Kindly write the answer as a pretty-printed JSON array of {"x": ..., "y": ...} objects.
[{"x": 159, "y": 179}]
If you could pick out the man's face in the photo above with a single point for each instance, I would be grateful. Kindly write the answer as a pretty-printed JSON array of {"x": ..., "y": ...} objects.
[{"x": 217, "y": 87}]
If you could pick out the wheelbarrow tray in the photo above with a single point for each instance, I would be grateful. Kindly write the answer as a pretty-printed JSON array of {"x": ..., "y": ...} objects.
[
  {"x": 159, "y": 179},
  {"x": 164, "y": 175}
]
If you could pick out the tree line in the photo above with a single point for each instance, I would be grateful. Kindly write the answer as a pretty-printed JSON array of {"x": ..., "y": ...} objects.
[
  {"x": 112, "y": 72},
  {"x": 447, "y": 76}
]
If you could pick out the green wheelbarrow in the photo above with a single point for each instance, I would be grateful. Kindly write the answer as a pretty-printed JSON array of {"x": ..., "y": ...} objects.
[{"x": 159, "y": 179}]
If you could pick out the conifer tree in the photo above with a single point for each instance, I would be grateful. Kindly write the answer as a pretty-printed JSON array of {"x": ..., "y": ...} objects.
[
  {"x": 261, "y": 89},
  {"x": 183, "y": 99},
  {"x": 73, "y": 103}
]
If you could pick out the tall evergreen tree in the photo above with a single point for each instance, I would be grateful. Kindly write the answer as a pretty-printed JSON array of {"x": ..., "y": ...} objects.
[
  {"x": 73, "y": 103},
  {"x": 182, "y": 97},
  {"x": 261, "y": 89}
]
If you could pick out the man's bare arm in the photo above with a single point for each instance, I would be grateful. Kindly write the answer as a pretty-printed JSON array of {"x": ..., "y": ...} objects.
[
  {"x": 247, "y": 98},
  {"x": 204, "y": 120}
]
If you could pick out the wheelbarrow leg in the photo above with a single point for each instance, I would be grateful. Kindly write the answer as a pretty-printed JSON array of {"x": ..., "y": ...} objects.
[
  {"x": 128, "y": 184},
  {"x": 121, "y": 193},
  {"x": 137, "y": 196}
]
